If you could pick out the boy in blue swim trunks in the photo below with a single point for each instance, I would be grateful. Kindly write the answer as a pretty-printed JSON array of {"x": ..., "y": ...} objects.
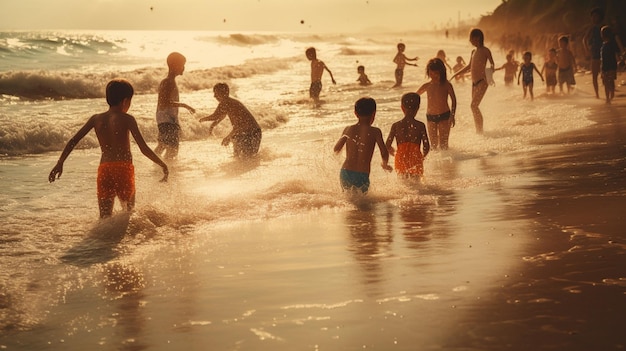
[{"x": 360, "y": 140}]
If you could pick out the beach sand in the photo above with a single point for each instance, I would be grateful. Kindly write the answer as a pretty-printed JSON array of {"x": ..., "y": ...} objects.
[{"x": 534, "y": 262}]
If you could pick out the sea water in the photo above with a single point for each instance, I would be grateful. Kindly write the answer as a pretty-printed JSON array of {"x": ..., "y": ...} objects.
[{"x": 232, "y": 215}]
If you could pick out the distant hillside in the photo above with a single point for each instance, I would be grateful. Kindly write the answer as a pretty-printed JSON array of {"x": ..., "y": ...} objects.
[{"x": 535, "y": 24}]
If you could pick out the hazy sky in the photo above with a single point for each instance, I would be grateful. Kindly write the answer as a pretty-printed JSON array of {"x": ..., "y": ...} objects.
[{"x": 287, "y": 15}]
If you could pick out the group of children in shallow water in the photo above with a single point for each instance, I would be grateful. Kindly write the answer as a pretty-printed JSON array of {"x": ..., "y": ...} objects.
[{"x": 113, "y": 128}]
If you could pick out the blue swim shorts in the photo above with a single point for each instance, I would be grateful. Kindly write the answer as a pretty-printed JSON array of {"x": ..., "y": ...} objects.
[{"x": 351, "y": 179}]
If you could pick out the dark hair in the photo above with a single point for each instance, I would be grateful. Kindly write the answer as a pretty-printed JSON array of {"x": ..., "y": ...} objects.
[
  {"x": 365, "y": 107},
  {"x": 597, "y": 11},
  {"x": 401, "y": 45},
  {"x": 564, "y": 38},
  {"x": 221, "y": 88},
  {"x": 530, "y": 54},
  {"x": 117, "y": 90},
  {"x": 411, "y": 101},
  {"x": 310, "y": 52},
  {"x": 361, "y": 67},
  {"x": 436, "y": 64},
  {"x": 475, "y": 32},
  {"x": 607, "y": 33}
]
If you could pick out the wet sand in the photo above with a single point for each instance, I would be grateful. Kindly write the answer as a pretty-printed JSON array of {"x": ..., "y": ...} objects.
[{"x": 570, "y": 292}]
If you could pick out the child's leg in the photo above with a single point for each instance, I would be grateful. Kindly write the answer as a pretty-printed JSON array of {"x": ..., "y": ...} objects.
[
  {"x": 530, "y": 91},
  {"x": 106, "y": 206},
  {"x": 478, "y": 92},
  {"x": 433, "y": 135},
  {"x": 444, "y": 133}
]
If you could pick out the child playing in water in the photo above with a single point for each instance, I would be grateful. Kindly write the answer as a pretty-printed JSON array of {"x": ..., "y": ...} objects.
[
  {"x": 410, "y": 135},
  {"x": 360, "y": 140},
  {"x": 476, "y": 66},
  {"x": 246, "y": 133},
  {"x": 116, "y": 173},
  {"x": 401, "y": 60},
  {"x": 167, "y": 108},
  {"x": 567, "y": 65},
  {"x": 526, "y": 71},
  {"x": 510, "y": 68},
  {"x": 608, "y": 65},
  {"x": 442, "y": 56},
  {"x": 317, "y": 69},
  {"x": 550, "y": 67},
  {"x": 460, "y": 63},
  {"x": 438, "y": 113},
  {"x": 363, "y": 79}
]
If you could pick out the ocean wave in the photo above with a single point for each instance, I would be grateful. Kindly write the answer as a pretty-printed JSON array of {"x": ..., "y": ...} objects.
[
  {"x": 247, "y": 39},
  {"x": 43, "y": 85}
]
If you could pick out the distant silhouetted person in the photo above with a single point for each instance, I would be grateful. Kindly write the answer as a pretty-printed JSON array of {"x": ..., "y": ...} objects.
[
  {"x": 317, "y": 69},
  {"x": 401, "y": 60}
]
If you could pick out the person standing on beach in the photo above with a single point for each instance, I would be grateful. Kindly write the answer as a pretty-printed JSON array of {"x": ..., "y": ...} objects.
[
  {"x": 410, "y": 135},
  {"x": 246, "y": 133},
  {"x": 317, "y": 69},
  {"x": 567, "y": 65},
  {"x": 593, "y": 43},
  {"x": 167, "y": 108},
  {"x": 476, "y": 67},
  {"x": 439, "y": 116},
  {"x": 360, "y": 140},
  {"x": 526, "y": 72},
  {"x": 550, "y": 66},
  {"x": 116, "y": 173},
  {"x": 609, "y": 55},
  {"x": 510, "y": 69},
  {"x": 401, "y": 60}
]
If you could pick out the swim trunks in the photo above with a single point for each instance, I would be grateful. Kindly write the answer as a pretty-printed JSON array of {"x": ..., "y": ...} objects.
[
  {"x": 315, "y": 89},
  {"x": 247, "y": 144},
  {"x": 352, "y": 179},
  {"x": 116, "y": 179},
  {"x": 438, "y": 118},
  {"x": 566, "y": 75},
  {"x": 169, "y": 134},
  {"x": 409, "y": 160}
]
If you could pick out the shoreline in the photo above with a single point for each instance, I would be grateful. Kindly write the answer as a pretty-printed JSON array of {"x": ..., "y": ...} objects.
[{"x": 569, "y": 293}]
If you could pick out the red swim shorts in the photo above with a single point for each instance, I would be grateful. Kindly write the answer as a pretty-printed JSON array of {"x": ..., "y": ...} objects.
[{"x": 116, "y": 179}]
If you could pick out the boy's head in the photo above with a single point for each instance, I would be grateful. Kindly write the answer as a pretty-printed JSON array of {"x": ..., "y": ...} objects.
[
  {"x": 221, "y": 90},
  {"x": 597, "y": 15},
  {"x": 436, "y": 65},
  {"x": 176, "y": 62},
  {"x": 509, "y": 57},
  {"x": 360, "y": 69},
  {"x": 411, "y": 102},
  {"x": 477, "y": 37},
  {"x": 365, "y": 108},
  {"x": 401, "y": 47},
  {"x": 527, "y": 56},
  {"x": 117, "y": 90},
  {"x": 459, "y": 59},
  {"x": 311, "y": 54}
]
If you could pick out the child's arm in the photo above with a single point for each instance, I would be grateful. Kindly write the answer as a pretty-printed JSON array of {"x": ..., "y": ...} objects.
[
  {"x": 425, "y": 142},
  {"x": 145, "y": 149},
  {"x": 453, "y": 100},
  {"x": 331, "y": 74},
  {"x": 423, "y": 88},
  {"x": 341, "y": 142},
  {"x": 58, "y": 168},
  {"x": 537, "y": 70},
  {"x": 490, "y": 58},
  {"x": 216, "y": 117},
  {"x": 389, "y": 143},
  {"x": 383, "y": 150}
]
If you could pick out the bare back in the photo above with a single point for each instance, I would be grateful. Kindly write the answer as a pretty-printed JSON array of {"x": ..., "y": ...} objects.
[
  {"x": 360, "y": 140},
  {"x": 317, "y": 69},
  {"x": 407, "y": 130},
  {"x": 437, "y": 94},
  {"x": 112, "y": 129}
]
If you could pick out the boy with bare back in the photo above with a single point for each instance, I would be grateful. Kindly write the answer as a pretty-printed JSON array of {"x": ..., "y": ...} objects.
[
  {"x": 410, "y": 135},
  {"x": 476, "y": 67},
  {"x": 167, "y": 108},
  {"x": 360, "y": 140},
  {"x": 317, "y": 69},
  {"x": 567, "y": 65},
  {"x": 116, "y": 173},
  {"x": 401, "y": 60}
]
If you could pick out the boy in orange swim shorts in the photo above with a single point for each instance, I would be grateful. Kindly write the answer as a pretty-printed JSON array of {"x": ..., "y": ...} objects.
[
  {"x": 116, "y": 174},
  {"x": 410, "y": 136}
]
